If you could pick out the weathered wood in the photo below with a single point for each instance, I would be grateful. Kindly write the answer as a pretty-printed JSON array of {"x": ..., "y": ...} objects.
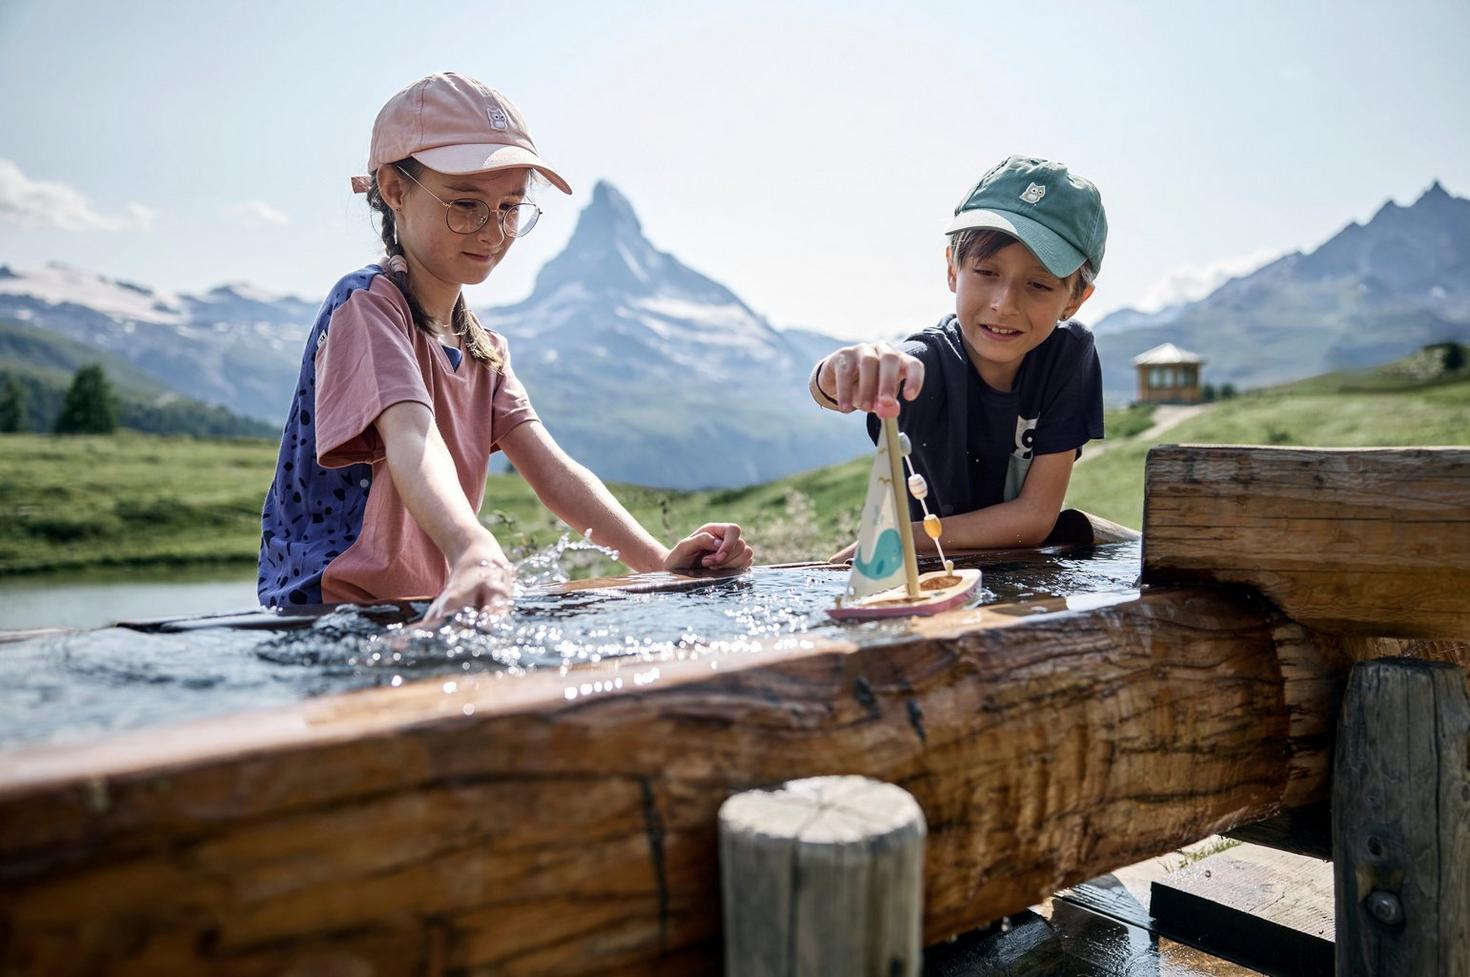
[
  {"x": 1401, "y": 822},
  {"x": 822, "y": 876},
  {"x": 1267, "y": 910},
  {"x": 1361, "y": 541},
  {"x": 567, "y": 825}
]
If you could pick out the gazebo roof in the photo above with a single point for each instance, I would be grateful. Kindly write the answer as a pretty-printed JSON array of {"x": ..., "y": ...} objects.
[{"x": 1165, "y": 354}]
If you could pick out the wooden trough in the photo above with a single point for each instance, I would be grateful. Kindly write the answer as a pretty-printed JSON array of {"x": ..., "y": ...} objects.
[{"x": 566, "y": 825}]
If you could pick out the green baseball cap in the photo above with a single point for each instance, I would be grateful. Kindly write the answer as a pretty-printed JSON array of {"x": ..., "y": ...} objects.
[{"x": 1057, "y": 215}]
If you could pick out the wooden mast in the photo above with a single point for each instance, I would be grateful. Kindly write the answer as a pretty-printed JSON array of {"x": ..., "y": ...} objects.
[{"x": 901, "y": 506}]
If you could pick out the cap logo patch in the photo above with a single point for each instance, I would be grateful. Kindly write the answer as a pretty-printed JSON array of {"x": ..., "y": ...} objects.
[
  {"x": 497, "y": 119},
  {"x": 1034, "y": 193}
]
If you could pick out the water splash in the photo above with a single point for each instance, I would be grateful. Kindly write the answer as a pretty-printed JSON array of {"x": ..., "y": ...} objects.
[{"x": 550, "y": 566}]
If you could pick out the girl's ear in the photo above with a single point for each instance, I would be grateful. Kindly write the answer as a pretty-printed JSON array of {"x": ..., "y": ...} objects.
[
  {"x": 949, "y": 267},
  {"x": 1076, "y": 303},
  {"x": 391, "y": 186}
]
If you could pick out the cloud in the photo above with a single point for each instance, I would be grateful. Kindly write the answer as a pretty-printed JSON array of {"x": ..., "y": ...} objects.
[
  {"x": 42, "y": 204},
  {"x": 1195, "y": 282},
  {"x": 256, "y": 213}
]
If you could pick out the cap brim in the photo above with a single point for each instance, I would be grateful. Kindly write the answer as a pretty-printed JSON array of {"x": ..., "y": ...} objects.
[
  {"x": 1059, "y": 257},
  {"x": 482, "y": 158}
]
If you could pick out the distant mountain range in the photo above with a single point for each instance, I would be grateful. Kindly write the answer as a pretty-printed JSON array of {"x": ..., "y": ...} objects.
[
  {"x": 648, "y": 371},
  {"x": 643, "y": 369},
  {"x": 1373, "y": 292}
]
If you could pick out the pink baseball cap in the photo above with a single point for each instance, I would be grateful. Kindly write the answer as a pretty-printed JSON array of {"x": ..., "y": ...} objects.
[{"x": 453, "y": 124}]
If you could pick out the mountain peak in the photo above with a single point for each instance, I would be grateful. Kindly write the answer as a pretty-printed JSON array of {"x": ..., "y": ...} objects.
[
  {"x": 608, "y": 252},
  {"x": 1435, "y": 194},
  {"x": 609, "y": 203}
]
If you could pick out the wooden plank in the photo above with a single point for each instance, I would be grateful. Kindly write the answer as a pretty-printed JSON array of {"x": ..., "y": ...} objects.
[
  {"x": 1263, "y": 909},
  {"x": 566, "y": 825},
  {"x": 1401, "y": 822},
  {"x": 1369, "y": 541}
]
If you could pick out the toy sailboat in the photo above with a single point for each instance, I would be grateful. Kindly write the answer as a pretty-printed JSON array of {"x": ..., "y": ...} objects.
[{"x": 885, "y": 581}]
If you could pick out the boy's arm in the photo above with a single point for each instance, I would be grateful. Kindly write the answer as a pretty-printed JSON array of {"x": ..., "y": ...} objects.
[
  {"x": 1026, "y": 520},
  {"x": 578, "y": 498}
]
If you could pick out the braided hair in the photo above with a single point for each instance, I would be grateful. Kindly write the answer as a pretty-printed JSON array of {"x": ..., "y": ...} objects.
[{"x": 473, "y": 336}]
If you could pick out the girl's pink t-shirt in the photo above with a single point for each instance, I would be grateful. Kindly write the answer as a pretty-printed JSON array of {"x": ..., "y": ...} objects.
[{"x": 371, "y": 358}]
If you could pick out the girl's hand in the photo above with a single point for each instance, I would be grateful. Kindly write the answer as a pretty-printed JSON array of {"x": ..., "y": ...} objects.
[
  {"x": 868, "y": 376},
  {"x": 714, "y": 546},
  {"x": 482, "y": 579},
  {"x": 844, "y": 554}
]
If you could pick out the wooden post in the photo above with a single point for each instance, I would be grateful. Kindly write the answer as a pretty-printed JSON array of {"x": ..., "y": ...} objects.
[
  {"x": 1401, "y": 822},
  {"x": 822, "y": 876}
]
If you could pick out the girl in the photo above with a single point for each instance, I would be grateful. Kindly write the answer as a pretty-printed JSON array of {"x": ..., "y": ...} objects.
[{"x": 403, "y": 394}]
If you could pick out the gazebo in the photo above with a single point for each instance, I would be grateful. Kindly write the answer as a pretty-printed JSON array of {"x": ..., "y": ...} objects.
[{"x": 1168, "y": 375}]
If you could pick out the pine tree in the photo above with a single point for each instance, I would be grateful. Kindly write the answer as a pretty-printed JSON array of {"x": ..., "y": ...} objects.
[
  {"x": 12, "y": 407},
  {"x": 1453, "y": 358},
  {"x": 88, "y": 407}
]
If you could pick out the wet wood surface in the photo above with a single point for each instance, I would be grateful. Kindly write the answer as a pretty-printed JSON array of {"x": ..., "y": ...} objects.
[
  {"x": 566, "y": 825},
  {"x": 1372, "y": 541}
]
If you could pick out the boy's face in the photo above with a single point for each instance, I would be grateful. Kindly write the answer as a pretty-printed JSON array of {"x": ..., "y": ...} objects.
[{"x": 1007, "y": 304}]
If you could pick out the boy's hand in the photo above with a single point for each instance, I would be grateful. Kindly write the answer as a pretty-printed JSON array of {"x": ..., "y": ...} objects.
[
  {"x": 714, "y": 546},
  {"x": 845, "y": 554},
  {"x": 868, "y": 376}
]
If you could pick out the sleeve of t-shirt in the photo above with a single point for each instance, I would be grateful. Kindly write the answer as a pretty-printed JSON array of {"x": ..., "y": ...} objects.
[
  {"x": 1072, "y": 406},
  {"x": 921, "y": 413},
  {"x": 511, "y": 406},
  {"x": 365, "y": 365}
]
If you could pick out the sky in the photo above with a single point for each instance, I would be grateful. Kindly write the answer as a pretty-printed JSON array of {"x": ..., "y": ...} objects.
[{"x": 806, "y": 154}]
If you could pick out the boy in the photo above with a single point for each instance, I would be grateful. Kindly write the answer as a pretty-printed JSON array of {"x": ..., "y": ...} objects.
[{"x": 999, "y": 397}]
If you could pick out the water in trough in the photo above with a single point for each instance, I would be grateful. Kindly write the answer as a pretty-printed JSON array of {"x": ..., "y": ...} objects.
[{"x": 78, "y": 685}]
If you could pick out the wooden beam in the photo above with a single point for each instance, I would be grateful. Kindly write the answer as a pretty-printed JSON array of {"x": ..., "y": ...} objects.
[
  {"x": 566, "y": 825},
  {"x": 1371, "y": 541}
]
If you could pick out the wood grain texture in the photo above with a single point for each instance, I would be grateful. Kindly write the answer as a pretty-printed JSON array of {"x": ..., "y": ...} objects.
[
  {"x": 1350, "y": 541},
  {"x": 822, "y": 876},
  {"x": 1401, "y": 822},
  {"x": 518, "y": 826}
]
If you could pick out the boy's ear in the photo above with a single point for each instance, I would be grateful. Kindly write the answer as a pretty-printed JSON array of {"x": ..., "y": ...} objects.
[
  {"x": 1076, "y": 304},
  {"x": 949, "y": 266}
]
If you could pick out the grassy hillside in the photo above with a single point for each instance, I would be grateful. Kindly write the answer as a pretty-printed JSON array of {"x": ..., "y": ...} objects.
[
  {"x": 43, "y": 364},
  {"x": 133, "y": 499},
  {"x": 1409, "y": 402}
]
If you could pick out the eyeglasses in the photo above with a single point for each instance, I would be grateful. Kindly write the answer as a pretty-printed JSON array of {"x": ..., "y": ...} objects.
[{"x": 466, "y": 215}]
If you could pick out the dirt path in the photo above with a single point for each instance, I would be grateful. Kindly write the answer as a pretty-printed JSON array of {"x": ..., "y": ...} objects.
[{"x": 1166, "y": 416}]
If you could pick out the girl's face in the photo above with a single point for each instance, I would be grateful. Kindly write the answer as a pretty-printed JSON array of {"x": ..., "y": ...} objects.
[
  {"x": 452, "y": 258},
  {"x": 1007, "y": 305}
]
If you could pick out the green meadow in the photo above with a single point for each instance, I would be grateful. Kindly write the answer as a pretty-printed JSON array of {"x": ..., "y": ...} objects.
[{"x": 134, "y": 500}]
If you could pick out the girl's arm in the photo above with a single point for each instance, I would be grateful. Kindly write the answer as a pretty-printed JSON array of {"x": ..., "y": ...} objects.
[
  {"x": 578, "y": 498},
  {"x": 424, "y": 475},
  {"x": 1024, "y": 521}
]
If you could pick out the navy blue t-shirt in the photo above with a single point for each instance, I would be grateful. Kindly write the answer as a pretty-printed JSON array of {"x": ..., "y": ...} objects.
[{"x": 974, "y": 444}]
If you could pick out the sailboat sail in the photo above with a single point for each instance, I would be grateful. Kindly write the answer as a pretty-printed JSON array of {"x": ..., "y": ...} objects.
[{"x": 878, "y": 563}]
